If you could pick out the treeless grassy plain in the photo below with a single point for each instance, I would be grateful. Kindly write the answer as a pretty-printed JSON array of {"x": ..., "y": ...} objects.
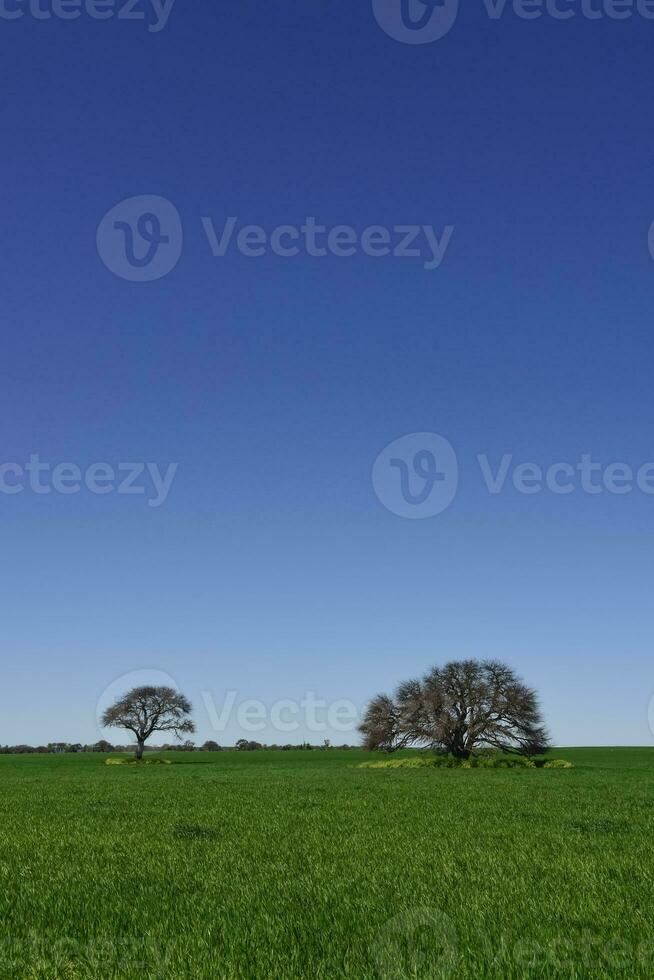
[{"x": 300, "y": 864}]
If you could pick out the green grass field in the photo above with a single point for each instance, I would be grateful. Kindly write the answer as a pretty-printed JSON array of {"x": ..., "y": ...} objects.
[{"x": 299, "y": 864}]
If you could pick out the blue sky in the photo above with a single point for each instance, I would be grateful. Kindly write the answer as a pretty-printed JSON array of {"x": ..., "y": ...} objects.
[{"x": 273, "y": 568}]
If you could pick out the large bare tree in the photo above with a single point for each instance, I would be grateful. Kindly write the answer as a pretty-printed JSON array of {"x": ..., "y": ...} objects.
[
  {"x": 463, "y": 706},
  {"x": 145, "y": 710}
]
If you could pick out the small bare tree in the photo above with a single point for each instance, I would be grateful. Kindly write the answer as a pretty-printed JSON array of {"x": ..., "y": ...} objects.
[
  {"x": 462, "y": 706},
  {"x": 145, "y": 710}
]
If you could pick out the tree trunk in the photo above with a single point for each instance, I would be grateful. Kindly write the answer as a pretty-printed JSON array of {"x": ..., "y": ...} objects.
[
  {"x": 457, "y": 746},
  {"x": 139, "y": 749}
]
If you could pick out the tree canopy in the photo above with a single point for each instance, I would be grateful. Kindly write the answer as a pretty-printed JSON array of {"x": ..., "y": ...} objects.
[
  {"x": 145, "y": 710},
  {"x": 463, "y": 706}
]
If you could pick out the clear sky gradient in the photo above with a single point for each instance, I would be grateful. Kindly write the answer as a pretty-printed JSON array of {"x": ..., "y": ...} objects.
[{"x": 273, "y": 569}]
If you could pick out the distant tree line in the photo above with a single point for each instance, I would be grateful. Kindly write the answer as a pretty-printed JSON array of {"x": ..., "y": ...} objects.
[
  {"x": 243, "y": 745},
  {"x": 58, "y": 748}
]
